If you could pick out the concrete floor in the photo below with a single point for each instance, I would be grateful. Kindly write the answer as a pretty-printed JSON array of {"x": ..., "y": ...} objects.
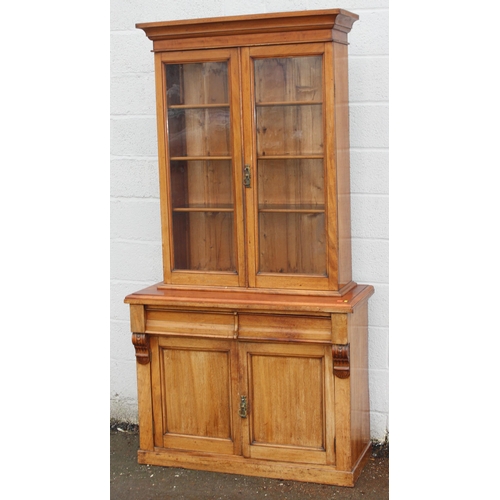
[{"x": 131, "y": 481}]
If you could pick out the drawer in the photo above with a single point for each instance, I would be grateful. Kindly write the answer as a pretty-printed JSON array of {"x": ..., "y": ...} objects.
[
  {"x": 191, "y": 323},
  {"x": 274, "y": 327}
]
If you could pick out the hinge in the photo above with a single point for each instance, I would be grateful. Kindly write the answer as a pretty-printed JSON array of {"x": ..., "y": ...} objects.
[{"x": 341, "y": 361}]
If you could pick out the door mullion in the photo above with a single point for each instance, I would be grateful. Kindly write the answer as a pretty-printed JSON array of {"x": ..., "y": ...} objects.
[
  {"x": 250, "y": 193},
  {"x": 244, "y": 389}
]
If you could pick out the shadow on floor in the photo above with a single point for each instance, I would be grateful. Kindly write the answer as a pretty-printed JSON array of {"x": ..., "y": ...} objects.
[{"x": 131, "y": 481}]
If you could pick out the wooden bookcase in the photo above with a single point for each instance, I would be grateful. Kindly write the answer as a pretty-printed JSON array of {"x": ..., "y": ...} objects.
[{"x": 252, "y": 352}]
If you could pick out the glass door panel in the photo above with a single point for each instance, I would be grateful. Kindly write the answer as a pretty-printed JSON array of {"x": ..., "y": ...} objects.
[
  {"x": 289, "y": 130},
  {"x": 292, "y": 242},
  {"x": 200, "y": 159},
  {"x": 201, "y": 183},
  {"x": 291, "y": 222},
  {"x": 288, "y": 79},
  {"x": 197, "y": 83},
  {"x": 291, "y": 182},
  {"x": 199, "y": 132}
]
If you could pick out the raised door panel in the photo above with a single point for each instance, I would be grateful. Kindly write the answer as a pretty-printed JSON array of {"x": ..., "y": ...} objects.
[
  {"x": 290, "y": 402},
  {"x": 194, "y": 393}
]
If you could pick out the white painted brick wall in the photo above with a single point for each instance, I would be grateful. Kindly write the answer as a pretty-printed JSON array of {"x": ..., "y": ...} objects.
[{"x": 135, "y": 222}]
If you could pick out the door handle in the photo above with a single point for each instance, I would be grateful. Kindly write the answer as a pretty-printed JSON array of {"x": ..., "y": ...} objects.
[
  {"x": 243, "y": 407},
  {"x": 246, "y": 176}
]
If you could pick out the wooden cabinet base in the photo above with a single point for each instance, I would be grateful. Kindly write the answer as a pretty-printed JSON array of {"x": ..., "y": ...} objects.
[
  {"x": 228, "y": 464},
  {"x": 253, "y": 384}
]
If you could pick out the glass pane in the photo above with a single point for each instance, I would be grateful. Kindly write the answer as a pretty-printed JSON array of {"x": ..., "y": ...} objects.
[
  {"x": 292, "y": 242},
  {"x": 289, "y": 130},
  {"x": 291, "y": 183},
  {"x": 201, "y": 180},
  {"x": 201, "y": 183},
  {"x": 290, "y": 166},
  {"x": 197, "y": 83},
  {"x": 203, "y": 241},
  {"x": 199, "y": 132},
  {"x": 288, "y": 79}
]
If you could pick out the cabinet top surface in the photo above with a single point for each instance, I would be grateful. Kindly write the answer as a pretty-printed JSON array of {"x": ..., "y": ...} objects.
[
  {"x": 249, "y": 300},
  {"x": 304, "y": 20}
]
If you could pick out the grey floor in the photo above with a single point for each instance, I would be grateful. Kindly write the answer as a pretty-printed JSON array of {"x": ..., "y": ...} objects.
[{"x": 131, "y": 481}]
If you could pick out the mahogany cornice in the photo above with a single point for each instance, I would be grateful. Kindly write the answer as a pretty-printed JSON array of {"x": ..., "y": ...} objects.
[{"x": 333, "y": 19}]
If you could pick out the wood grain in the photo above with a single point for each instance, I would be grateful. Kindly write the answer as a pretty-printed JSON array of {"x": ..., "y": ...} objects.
[
  {"x": 190, "y": 323},
  {"x": 145, "y": 405},
  {"x": 196, "y": 385},
  {"x": 137, "y": 318},
  {"x": 360, "y": 399},
  {"x": 287, "y": 27},
  {"x": 251, "y": 300},
  {"x": 342, "y": 145},
  {"x": 311, "y": 473},
  {"x": 285, "y": 387},
  {"x": 289, "y": 328},
  {"x": 252, "y": 354}
]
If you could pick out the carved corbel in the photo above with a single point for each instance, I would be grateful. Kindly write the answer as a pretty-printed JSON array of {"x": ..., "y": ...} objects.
[
  {"x": 141, "y": 344},
  {"x": 341, "y": 363}
]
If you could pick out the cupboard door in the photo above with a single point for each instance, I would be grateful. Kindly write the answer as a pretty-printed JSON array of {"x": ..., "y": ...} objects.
[
  {"x": 285, "y": 121},
  {"x": 194, "y": 387},
  {"x": 289, "y": 391},
  {"x": 199, "y": 92}
]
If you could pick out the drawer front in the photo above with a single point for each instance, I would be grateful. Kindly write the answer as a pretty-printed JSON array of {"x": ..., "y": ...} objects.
[
  {"x": 274, "y": 327},
  {"x": 203, "y": 324}
]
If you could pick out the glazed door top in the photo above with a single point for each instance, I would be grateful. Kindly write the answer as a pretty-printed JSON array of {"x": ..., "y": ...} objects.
[
  {"x": 247, "y": 205},
  {"x": 285, "y": 122},
  {"x": 201, "y": 206}
]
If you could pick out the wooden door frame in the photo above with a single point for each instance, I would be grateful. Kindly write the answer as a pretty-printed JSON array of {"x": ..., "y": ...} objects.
[
  {"x": 258, "y": 279},
  {"x": 286, "y": 453},
  {"x": 186, "y": 442},
  {"x": 188, "y": 277}
]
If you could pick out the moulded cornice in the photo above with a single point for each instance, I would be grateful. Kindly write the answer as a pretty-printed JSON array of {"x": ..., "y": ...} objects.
[{"x": 333, "y": 19}]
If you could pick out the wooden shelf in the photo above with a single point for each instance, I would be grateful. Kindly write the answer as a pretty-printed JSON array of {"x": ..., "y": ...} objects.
[
  {"x": 198, "y": 106},
  {"x": 289, "y": 103},
  {"x": 200, "y": 158},
  {"x": 202, "y": 209},
  {"x": 290, "y": 157},
  {"x": 292, "y": 209}
]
